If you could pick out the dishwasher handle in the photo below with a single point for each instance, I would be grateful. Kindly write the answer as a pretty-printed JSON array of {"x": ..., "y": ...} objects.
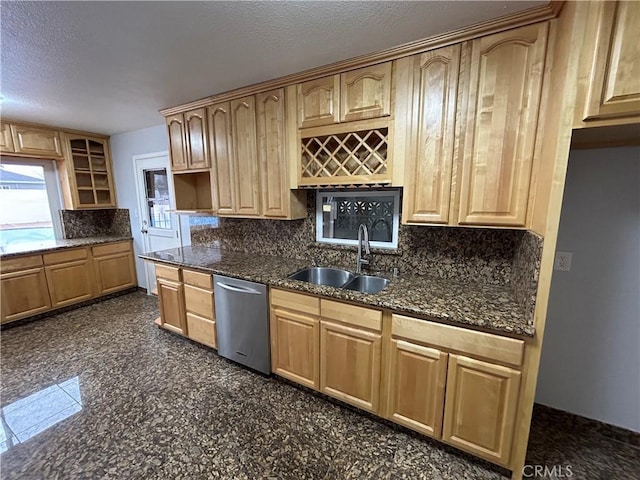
[{"x": 233, "y": 288}]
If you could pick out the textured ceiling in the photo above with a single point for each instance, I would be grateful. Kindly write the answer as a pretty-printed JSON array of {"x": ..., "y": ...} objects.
[{"x": 108, "y": 67}]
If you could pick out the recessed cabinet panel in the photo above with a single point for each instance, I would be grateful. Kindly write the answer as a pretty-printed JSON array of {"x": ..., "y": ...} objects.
[
  {"x": 417, "y": 377},
  {"x": 350, "y": 365},
  {"x": 319, "y": 102},
  {"x": 6, "y": 140},
  {"x": 480, "y": 407},
  {"x": 196, "y": 138},
  {"x": 115, "y": 272},
  {"x": 243, "y": 123},
  {"x": 177, "y": 147},
  {"x": 504, "y": 98},
  {"x": 24, "y": 293},
  {"x": 432, "y": 135},
  {"x": 614, "y": 83},
  {"x": 271, "y": 148},
  {"x": 295, "y": 340},
  {"x": 70, "y": 282},
  {"x": 172, "y": 309},
  {"x": 36, "y": 141},
  {"x": 222, "y": 156},
  {"x": 365, "y": 93}
]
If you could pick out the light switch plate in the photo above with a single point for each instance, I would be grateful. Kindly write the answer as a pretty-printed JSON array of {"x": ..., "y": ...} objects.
[{"x": 563, "y": 261}]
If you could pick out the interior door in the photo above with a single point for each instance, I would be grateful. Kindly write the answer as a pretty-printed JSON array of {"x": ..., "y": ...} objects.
[{"x": 159, "y": 225}]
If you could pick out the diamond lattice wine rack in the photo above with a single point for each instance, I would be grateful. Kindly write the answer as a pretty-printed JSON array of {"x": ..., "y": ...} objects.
[{"x": 359, "y": 157}]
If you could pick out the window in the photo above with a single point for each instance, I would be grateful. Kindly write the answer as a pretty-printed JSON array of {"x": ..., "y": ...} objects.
[
  {"x": 29, "y": 202},
  {"x": 339, "y": 214},
  {"x": 157, "y": 198}
]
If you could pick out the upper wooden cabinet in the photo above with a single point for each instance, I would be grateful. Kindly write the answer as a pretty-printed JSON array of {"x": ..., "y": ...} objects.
[
  {"x": 6, "y": 140},
  {"x": 319, "y": 102},
  {"x": 431, "y": 135},
  {"x": 89, "y": 171},
  {"x": 177, "y": 150},
  {"x": 504, "y": 94},
  {"x": 355, "y": 95},
  {"x": 248, "y": 141},
  {"x": 365, "y": 93},
  {"x": 219, "y": 116},
  {"x": 614, "y": 80},
  {"x": 278, "y": 201},
  {"x": 188, "y": 142},
  {"x": 245, "y": 156},
  {"x": 30, "y": 140}
]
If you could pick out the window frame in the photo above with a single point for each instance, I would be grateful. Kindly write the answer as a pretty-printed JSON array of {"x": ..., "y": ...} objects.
[
  {"x": 52, "y": 186},
  {"x": 395, "y": 193}
]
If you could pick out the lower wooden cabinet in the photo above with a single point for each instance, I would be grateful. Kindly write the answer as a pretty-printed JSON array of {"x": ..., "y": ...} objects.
[
  {"x": 295, "y": 343},
  {"x": 70, "y": 282},
  {"x": 417, "y": 377},
  {"x": 480, "y": 407},
  {"x": 114, "y": 267},
  {"x": 24, "y": 293},
  {"x": 350, "y": 364},
  {"x": 36, "y": 283},
  {"x": 172, "y": 311},
  {"x": 187, "y": 303}
]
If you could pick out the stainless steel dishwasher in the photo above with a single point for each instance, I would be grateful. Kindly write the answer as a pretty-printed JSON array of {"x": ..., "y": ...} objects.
[{"x": 242, "y": 322}]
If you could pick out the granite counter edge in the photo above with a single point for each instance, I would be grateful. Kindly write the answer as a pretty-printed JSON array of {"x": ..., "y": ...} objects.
[{"x": 73, "y": 243}]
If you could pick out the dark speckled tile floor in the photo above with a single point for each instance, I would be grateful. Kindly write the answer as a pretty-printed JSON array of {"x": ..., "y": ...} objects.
[{"x": 101, "y": 392}]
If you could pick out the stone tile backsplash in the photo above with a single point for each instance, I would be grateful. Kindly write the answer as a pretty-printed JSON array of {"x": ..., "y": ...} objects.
[{"x": 95, "y": 223}]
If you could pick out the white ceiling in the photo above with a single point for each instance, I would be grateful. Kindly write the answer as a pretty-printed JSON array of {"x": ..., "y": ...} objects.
[{"x": 108, "y": 67}]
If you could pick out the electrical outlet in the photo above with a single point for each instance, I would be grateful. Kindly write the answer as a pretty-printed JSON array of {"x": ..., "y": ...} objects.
[{"x": 563, "y": 261}]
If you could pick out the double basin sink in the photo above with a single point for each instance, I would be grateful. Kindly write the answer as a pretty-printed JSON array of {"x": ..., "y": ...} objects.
[{"x": 335, "y": 277}]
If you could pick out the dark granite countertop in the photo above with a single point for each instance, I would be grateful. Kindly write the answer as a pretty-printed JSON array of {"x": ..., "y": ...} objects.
[
  {"x": 488, "y": 307},
  {"x": 51, "y": 245}
]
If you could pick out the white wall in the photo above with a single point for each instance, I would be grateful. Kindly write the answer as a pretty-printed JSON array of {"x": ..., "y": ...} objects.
[
  {"x": 123, "y": 147},
  {"x": 591, "y": 354}
]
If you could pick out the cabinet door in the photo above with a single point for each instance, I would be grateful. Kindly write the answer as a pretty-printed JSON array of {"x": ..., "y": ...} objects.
[
  {"x": 177, "y": 147},
  {"x": 70, "y": 282},
  {"x": 24, "y": 293},
  {"x": 417, "y": 377},
  {"x": 6, "y": 140},
  {"x": 365, "y": 93},
  {"x": 172, "y": 310},
  {"x": 614, "y": 83},
  {"x": 245, "y": 156},
  {"x": 504, "y": 99},
  {"x": 480, "y": 407},
  {"x": 36, "y": 141},
  {"x": 222, "y": 157},
  {"x": 319, "y": 102},
  {"x": 350, "y": 365},
  {"x": 197, "y": 143},
  {"x": 271, "y": 152},
  {"x": 115, "y": 272},
  {"x": 295, "y": 344},
  {"x": 432, "y": 131}
]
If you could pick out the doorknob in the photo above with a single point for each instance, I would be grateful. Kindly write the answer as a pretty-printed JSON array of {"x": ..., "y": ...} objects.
[{"x": 144, "y": 227}]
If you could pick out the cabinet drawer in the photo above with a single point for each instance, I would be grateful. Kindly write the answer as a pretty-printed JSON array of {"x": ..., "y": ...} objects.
[
  {"x": 20, "y": 263},
  {"x": 201, "y": 330},
  {"x": 352, "y": 314},
  {"x": 295, "y": 301},
  {"x": 101, "y": 250},
  {"x": 199, "y": 301},
  {"x": 65, "y": 256},
  {"x": 197, "y": 279},
  {"x": 481, "y": 344},
  {"x": 170, "y": 273}
]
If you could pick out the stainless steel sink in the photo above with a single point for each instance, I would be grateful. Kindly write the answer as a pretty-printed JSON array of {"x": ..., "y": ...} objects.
[
  {"x": 332, "y": 277},
  {"x": 367, "y": 284}
]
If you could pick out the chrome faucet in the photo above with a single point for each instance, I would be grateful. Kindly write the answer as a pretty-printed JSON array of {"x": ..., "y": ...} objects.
[{"x": 363, "y": 239}]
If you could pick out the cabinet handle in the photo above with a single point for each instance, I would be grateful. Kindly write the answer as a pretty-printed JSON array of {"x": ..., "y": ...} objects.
[{"x": 238, "y": 289}]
